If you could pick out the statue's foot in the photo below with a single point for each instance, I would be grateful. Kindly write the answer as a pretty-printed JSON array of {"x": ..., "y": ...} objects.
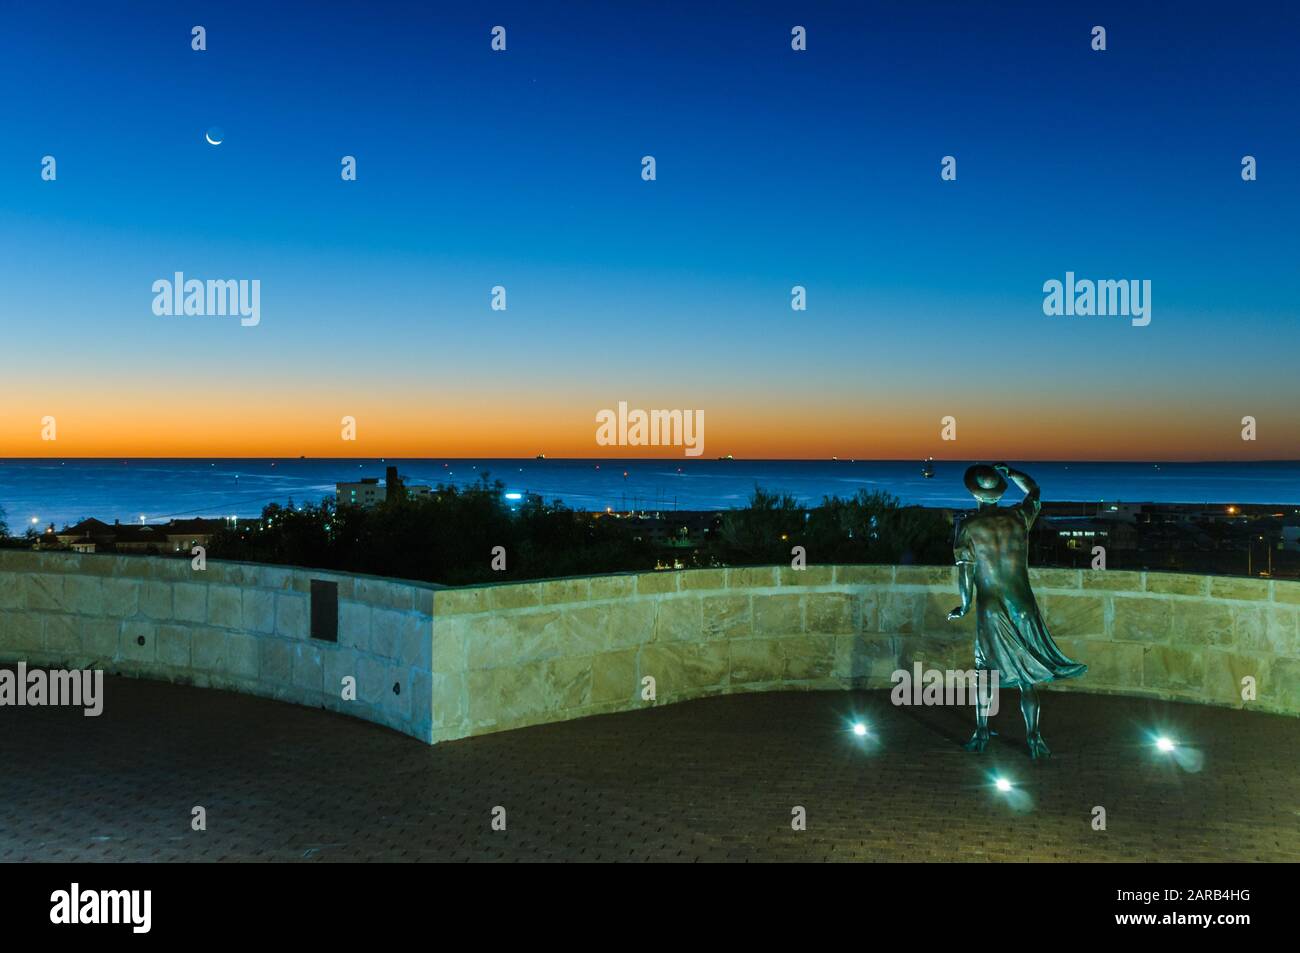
[
  {"x": 978, "y": 741},
  {"x": 1038, "y": 747}
]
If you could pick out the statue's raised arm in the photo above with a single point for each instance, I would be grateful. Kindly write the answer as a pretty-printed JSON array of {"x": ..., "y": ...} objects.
[{"x": 1032, "y": 504}]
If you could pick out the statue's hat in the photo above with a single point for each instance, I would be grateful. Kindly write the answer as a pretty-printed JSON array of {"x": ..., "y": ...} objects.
[{"x": 985, "y": 483}]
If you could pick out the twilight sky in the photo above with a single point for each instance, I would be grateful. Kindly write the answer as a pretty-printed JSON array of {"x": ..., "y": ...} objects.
[{"x": 775, "y": 169}]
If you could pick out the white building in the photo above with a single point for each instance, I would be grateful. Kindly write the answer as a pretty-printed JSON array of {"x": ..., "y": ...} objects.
[{"x": 370, "y": 492}]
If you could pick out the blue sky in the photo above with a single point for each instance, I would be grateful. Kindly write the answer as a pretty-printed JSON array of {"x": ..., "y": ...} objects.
[{"x": 775, "y": 168}]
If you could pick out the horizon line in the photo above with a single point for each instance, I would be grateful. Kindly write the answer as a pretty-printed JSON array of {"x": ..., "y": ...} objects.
[{"x": 534, "y": 459}]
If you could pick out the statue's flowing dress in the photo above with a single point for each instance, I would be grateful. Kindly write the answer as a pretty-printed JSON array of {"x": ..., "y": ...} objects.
[{"x": 1010, "y": 635}]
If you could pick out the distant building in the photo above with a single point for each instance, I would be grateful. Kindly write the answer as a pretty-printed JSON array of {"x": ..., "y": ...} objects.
[
  {"x": 184, "y": 535},
  {"x": 1083, "y": 533},
  {"x": 92, "y": 536},
  {"x": 369, "y": 493}
]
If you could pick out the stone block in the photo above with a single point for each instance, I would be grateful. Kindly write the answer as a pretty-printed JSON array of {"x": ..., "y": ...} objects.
[
  {"x": 568, "y": 684},
  {"x": 1055, "y": 578},
  {"x": 564, "y": 591},
  {"x": 415, "y": 640},
  {"x": 808, "y": 657},
  {"x": 612, "y": 587},
  {"x": 864, "y": 656},
  {"x": 1112, "y": 664},
  {"x": 259, "y": 610},
  {"x": 225, "y": 607},
  {"x": 628, "y": 624},
  {"x": 653, "y": 583},
  {"x": 139, "y": 640},
  {"x": 900, "y": 612},
  {"x": 941, "y": 576},
  {"x": 449, "y": 638},
  {"x": 934, "y": 619},
  {"x": 386, "y": 628},
  {"x": 614, "y": 677},
  {"x": 1071, "y": 616},
  {"x": 84, "y": 595},
  {"x": 189, "y": 602},
  {"x": 44, "y": 592},
  {"x": 1114, "y": 580},
  {"x": 459, "y": 601},
  {"x": 514, "y": 596},
  {"x": 291, "y": 615},
  {"x": 62, "y": 636},
  {"x": 680, "y": 667},
  {"x": 121, "y": 598},
  {"x": 726, "y": 617},
  {"x": 1239, "y": 588},
  {"x": 1141, "y": 619},
  {"x": 703, "y": 579},
  {"x": 808, "y": 576},
  {"x": 1224, "y": 672},
  {"x": 448, "y": 700},
  {"x": 355, "y": 621},
  {"x": 504, "y": 695},
  {"x": 679, "y": 619},
  {"x": 830, "y": 613},
  {"x": 382, "y": 594},
  {"x": 242, "y": 655},
  {"x": 778, "y": 615},
  {"x": 1177, "y": 583},
  {"x": 757, "y": 661},
  {"x": 308, "y": 667},
  {"x": 751, "y": 577},
  {"x": 864, "y": 575},
  {"x": 1172, "y": 669},
  {"x": 208, "y": 649},
  {"x": 156, "y": 599},
  {"x": 174, "y": 646},
  {"x": 336, "y": 664},
  {"x": 100, "y": 638}
]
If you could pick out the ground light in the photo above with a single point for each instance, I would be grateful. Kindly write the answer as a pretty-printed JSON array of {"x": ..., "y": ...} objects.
[
  {"x": 859, "y": 729},
  {"x": 1188, "y": 757},
  {"x": 1017, "y": 799}
]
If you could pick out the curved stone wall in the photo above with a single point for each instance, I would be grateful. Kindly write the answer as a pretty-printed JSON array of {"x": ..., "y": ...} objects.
[
  {"x": 512, "y": 655},
  {"x": 472, "y": 660},
  {"x": 238, "y": 626}
]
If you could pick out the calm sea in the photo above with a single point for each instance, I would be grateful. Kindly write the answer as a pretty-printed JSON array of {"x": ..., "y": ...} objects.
[{"x": 62, "y": 491}]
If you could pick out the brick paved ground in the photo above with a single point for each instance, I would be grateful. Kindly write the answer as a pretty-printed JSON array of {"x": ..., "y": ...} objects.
[{"x": 713, "y": 779}]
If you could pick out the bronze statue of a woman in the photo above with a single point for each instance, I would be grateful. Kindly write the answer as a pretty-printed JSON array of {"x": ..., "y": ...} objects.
[{"x": 992, "y": 552}]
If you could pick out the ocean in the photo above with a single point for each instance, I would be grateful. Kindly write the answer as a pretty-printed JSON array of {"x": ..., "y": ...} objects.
[{"x": 64, "y": 491}]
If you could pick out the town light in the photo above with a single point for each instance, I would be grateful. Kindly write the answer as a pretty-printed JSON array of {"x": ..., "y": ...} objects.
[
  {"x": 859, "y": 729},
  {"x": 1164, "y": 744},
  {"x": 1002, "y": 785}
]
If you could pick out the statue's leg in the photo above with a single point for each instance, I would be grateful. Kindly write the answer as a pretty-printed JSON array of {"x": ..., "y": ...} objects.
[
  {"x": 979, "y": 741},
  {"x": 1029, "y": 708}
]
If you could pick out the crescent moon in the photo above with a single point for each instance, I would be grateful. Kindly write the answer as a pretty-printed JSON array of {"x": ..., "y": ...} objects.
[{"x": 211, "y": 141}]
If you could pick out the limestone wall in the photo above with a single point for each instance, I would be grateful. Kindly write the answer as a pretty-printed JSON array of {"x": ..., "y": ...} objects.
[
  {"x": 512, "y": 655},
  {"x": 472, "y": 660},
  {"x": 236, "y": 626}
]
